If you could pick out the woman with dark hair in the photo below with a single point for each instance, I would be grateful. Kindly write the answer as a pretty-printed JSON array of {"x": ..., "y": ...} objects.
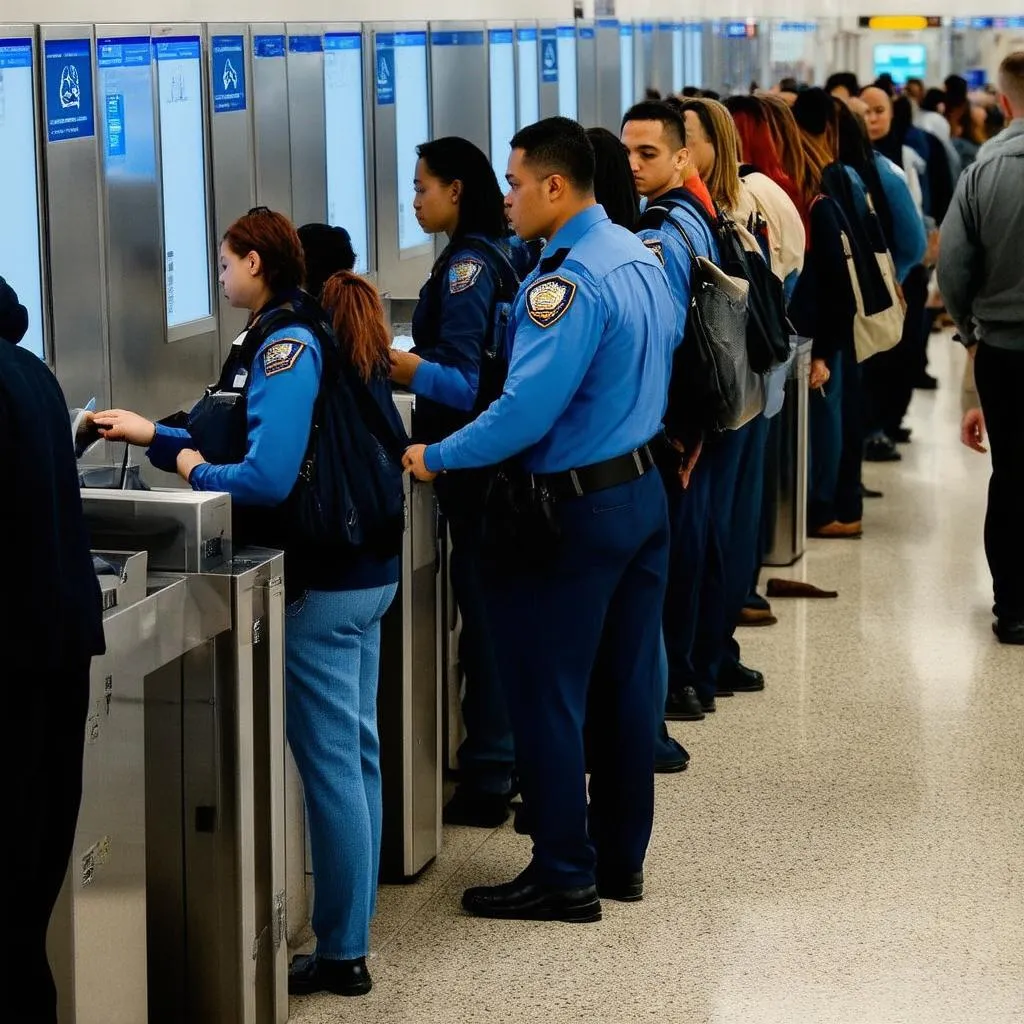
[
  {"x": 450, "y": 370},
  {"x": 328, "y": 249},
  {"x": 614, "y": 187},
  {"x": 336, "y": 596}
]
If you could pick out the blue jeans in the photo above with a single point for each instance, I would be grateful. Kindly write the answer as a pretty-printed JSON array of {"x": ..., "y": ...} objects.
[{"x": 332, "y": 656}]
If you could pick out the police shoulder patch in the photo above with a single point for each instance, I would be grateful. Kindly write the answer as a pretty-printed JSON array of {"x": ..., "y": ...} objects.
[
  {"x": 548, "y": 300},
  {"x": 281, "y": 356},
  {"x": 463, "y": 274},
  {"x": 656, "y": 247}
]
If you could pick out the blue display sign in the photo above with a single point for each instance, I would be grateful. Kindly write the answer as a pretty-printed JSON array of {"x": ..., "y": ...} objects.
[
  {"x": 500, "y": 36},
  {"x": 626, "y": 31},
  {"x": 646, "y": 27},
  {"x": 586, "y": 32},
  {"x": 15, "y": 53},
  {"x": 976, "y": 78},
  {"x": 343, "y": 41},
  {"x": 114, "y": 109},
  {"x": 566, "y": 31},
  {"x": 305, "y": 44},
  {"x": 267, "y": 46},
  {"x": 1015, "y": 22},
  {"x": 228, "y": 73},
  {"x": 177, "y": 48},
  {"x": 549, "y": 56},
  {"x": 611, "y": 23},
  {"x": 124, "y": 52},
  {"x": 457, "y": 38},
  {"x": 68, "y": 74},
  {"x": 526, "y": 35},
  {"x": 385, "y": 70},
  {"x": 737, "y": 30},
  {"x": 797, "y": 26}
]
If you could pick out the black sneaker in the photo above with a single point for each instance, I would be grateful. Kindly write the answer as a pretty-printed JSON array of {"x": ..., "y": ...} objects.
[{"x": 475, "y": 809}]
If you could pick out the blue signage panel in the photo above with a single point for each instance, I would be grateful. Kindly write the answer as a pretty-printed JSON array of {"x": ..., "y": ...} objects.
[
  {"x": 343, "y": 41},
  {"x": 177, "y": 48},
  {"x": 123, "y": 52},
  {"x": 305, "y": 44},
  {"x": 736, "y": 30},
  {"x": 500, "y": 36},
  {"x": 385, "y": 69},
  {"x": 68, "y": 73},
  {"x": 114, "y": 109},
  {"x": 566, "y": 31},
  {"x": 526, "y": 35},
  {"x": 549, "y": 56},
  {"x": 457, "y": 38},
  {"x": 646, "y": 27},
  {"x": 267, "y": 46},
  {"x": 586, "y": 32},
  {"x": 228, "y": 73},
  {"x": 626, "y": 31},
  {"x": 611, "y": 23},
  {"x": 15, "y": 53}
]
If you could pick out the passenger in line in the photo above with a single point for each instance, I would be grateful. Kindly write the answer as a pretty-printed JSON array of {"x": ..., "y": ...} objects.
[
  {"x": 593, "y": 330},
  {"x": 51, "y": 627},
  {"x": 981, "y": 277},
  {"x": 454, "y": 372},
  {"x": 335, "y": 597}
]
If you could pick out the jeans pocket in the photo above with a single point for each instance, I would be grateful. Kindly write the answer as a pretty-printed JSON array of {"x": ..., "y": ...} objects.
[{"x": 294, "y": 608}]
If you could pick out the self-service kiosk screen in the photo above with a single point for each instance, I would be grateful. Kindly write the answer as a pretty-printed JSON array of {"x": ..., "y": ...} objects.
[
  {"x": 677, "y": 58},
  {"x": 346, "y": 139},
  {"x": 529, "y": 83},
  {"x": 20, "y": 257},
  {"x": 503, "y": 95},
  {"x": 628, "y": 89},
  {"x": 183, "y": 176},
  {"x": 901, "y": 60},
  {"x": 126, "y": 107},
  {"x": 567, "y": 100}
]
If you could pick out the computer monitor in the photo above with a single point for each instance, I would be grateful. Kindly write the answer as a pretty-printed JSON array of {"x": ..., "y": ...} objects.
[
  {"x": 901, "y": 61},
  {"x": 20, "y": 252}
]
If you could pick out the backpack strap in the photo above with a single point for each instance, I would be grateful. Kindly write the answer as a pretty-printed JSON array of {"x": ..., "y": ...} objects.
[
  {"x": 508, "y": 279},
  {"x": 666, "y": 217}
]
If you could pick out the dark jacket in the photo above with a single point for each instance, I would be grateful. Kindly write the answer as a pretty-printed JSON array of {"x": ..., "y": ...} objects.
[{"x": 50, "y": 608}]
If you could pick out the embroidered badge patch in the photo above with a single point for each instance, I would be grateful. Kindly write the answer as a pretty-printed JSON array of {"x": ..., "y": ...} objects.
[
  {"x": 462, "y": 275},
  {"x": 281, "y": 356},
  {"x": 656, "y": 248},
  {"x": 548, "y": 300}
]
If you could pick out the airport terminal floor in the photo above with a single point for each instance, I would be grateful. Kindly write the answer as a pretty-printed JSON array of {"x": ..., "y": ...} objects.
[{"x": 846, "y": 846}]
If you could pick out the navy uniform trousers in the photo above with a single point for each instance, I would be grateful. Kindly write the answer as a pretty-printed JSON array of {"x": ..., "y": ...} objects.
[{"x": 586, "y": 629}]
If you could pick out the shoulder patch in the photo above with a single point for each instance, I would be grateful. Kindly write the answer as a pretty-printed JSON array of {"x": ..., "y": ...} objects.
[
  {"x": 281, "y": 356},
  {"x": 656, "y": 247},
  {"x": 463, "y": 274},
  {"x": 548, "y": 300}
]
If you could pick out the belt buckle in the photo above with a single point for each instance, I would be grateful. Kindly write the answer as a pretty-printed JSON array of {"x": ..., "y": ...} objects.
[{"x": 576, "y": 485}]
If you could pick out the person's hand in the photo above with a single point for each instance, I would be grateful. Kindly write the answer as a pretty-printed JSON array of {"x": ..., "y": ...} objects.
[
  {"x": 819, "y": 374},
  {"x": 413, "y": 461},
  {"x": 121, "y": 425},
  {"x": 188, "y": 459},
  {"x": 403, "y": 366},
  {"x": 687, "y": 458},
  {"x": 972, "y": 430}
]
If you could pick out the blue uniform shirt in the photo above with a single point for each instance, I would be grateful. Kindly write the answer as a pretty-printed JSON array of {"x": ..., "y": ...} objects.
[
  {"x": 671, "y": 250},
  {"x": 285, "y": 382},
  {"x": 592, "y": 336}
]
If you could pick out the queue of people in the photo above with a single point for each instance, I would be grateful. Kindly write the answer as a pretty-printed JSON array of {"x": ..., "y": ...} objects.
[{"x": 606, "y": 535}]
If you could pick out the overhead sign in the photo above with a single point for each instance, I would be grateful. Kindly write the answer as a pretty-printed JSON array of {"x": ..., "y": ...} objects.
[
  {"x": 900, "y": 22},
  {"x": 69, "y": 102}
]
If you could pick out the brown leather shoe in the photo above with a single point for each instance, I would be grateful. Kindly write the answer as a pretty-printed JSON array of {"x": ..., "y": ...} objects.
[
  {"x": 796, "y": 588},
  {"x": 757, "y": 617},
  {"x": 838, "y": 530}
]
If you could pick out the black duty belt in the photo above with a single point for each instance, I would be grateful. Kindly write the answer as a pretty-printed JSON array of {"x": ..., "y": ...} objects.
[{"x": 575, "y": 483}]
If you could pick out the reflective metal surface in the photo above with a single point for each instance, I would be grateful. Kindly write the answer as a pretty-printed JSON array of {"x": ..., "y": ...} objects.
[
  {"x": 307, "y": 128},
  {"x": 270, "y": 123},
  {"x": 586, "y": 74}
]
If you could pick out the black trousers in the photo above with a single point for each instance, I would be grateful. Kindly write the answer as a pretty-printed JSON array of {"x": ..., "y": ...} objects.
[
  {"x": 46, "y": 788},
  {"x": 999, "y": 375}
]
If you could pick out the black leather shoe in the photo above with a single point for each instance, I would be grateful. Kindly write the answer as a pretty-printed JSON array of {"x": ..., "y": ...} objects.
[
  {"x": 670, "y": 756},
  {"x": 881, "y": 449},
  {"x": 525, "y": 900},
  {"x": 309, "y": 974},
  {"x": 737, "y": 677},
  {"x": 901, "y": 435},
  {"x": 683, "y": 705},
  {"x": 478, "y": 810},
  {"x": 708, "y": 706},
  {"x": 621, "y": 886},
  {"x": 868, "y": 492},
  {"x": 1009, "y": 631},
  {"x": 926, "y": 382}
]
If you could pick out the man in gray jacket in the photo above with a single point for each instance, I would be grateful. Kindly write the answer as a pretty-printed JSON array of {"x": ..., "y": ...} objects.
[{"x": 981, "y": 277}]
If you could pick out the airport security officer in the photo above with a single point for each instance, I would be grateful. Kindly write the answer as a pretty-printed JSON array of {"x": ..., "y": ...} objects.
[
  {"x": 592, "y": 334},
  {"x": 453, "y": 370},
  {"x": 655, "y": 139}
]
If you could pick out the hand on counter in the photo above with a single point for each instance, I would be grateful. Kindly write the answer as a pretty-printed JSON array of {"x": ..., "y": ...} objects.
[
  {"x": 413, "y": 462},
  {"x": 188, "y": 459},
  {"x": 121, "y": 425},
  {"x": 403, "y": 366}
]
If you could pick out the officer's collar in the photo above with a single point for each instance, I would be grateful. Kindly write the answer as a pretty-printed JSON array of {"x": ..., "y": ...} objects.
[{"x": 574, "y": 229}]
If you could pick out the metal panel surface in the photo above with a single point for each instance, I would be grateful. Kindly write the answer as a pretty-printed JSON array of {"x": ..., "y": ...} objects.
[
  {"x": 270, "y": 117},
  {"x": 75, "y": 252},
  {"x": 661, "y": 69},
  {"x": 586, "y": 73},
  {"x": 232, "y": 164},
  {"x": 458, "y": 78},
  {"x": 609, "y": 87},
  {"x": 643, "y": 56},
  {"x": 305, "y": 64}
]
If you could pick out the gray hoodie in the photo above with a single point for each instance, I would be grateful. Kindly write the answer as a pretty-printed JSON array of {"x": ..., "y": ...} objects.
[{"x": 981, "y": 261}]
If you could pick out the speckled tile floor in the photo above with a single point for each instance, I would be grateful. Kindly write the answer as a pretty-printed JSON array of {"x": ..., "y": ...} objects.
[{"x": 846, "y": 848}]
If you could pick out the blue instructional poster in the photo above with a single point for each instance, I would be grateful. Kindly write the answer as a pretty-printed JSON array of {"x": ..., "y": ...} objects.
[
  {"x": 385, "y": 69},
  {"x": 228, "y": 73},
  {"x": 69, "y": 101},
  {"x": 267, "y": 46},
  {"x": 114, "y": 107},
  {"x": 549, "y": 56}
]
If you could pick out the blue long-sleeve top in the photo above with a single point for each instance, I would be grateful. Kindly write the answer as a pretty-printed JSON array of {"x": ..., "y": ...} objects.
[
  {"x": 909, "y": 241},
  {"x": 285, "y": 381},
  {"x": 592, "y": 335}
]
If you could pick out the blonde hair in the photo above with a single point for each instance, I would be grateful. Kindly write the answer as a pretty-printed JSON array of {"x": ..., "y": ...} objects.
[{"x": 723, "y": 181}]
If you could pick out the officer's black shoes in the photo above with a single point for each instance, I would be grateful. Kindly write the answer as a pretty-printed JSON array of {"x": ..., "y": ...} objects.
[
  {"x": 621, "y": 886},
  {"x": 669, "y": 755},
  {"x": 683, "y": 705},
  {"x": 309, "y": 974},
  {"x": 740, "y": 679},
  {"x": 476, "y": 809},
  {"x": 523, "y": 820},
  {"x": 881, "y": 449},
  {"x": 525, "y": 900},
  {"x": 708, "y": 705},
  {"x": 1009, "y": 631}
]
